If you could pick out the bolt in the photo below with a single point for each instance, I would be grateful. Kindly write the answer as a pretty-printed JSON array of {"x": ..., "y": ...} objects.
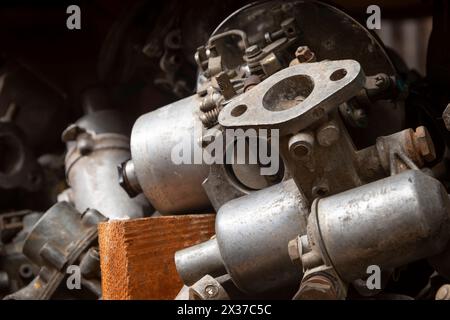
[
  {"x": 305, "y": 55},
  {"x": 294, "y": 252},
  {"x": 127, "y": 179},
  {"x": 381, "y": 81},
  {"x": 443, "y": 293},
  {"x": 317, "y": 287},
  {"x": 301, "y": 145},
  {"x": 211, "y": 290},
  {"x": 270, "y": 64},
  {"x": 328, "y": 134},
  {"x": 423, "y": 143},
  {"x": 252, "y": 51}
]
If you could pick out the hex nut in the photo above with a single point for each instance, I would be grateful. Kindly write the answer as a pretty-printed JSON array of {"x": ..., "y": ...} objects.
[
  {"x": 294, "y": 252},
  {"x": 305, "y": 55}
]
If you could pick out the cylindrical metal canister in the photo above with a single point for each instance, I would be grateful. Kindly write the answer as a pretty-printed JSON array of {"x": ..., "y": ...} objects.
[
  {"x": 167, "y": 157},
  {"x": 252, "y": 234},
  {"x": 387, "y": 223}
]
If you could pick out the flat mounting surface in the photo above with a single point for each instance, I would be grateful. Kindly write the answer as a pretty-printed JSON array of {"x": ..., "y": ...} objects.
[{"x": 297, "y": 95}]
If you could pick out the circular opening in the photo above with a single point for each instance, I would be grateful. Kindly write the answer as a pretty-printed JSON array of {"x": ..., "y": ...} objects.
[
  {"x": 239, "y": 110},
  {"x": 288, "y": 93},
  {"x": 25, "y": 271},
  {"x": 338, "y": 74},
  {"x": 300, "y": 151},
  {"x": 320, "y": 191},
  {"x": 173, "y": 40},
  {"x": 10, "y": 154}
]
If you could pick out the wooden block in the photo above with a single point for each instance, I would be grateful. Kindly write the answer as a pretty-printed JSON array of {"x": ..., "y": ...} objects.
[{"x": 137, "y": 256}]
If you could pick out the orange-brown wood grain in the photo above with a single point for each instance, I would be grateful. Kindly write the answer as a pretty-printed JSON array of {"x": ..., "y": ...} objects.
[{"x": 137, "y": 256}]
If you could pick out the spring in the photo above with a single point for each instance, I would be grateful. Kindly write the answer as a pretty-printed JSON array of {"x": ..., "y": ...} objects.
[
  {"x": 209, "y": 102},
  {"x": 209, "y": 118}
]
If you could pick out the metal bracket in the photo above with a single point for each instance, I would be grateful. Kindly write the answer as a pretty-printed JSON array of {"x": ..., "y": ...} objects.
[{"x": 295, "y": 97}]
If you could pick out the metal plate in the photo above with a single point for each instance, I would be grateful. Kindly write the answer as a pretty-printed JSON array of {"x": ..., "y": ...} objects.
[{"x": 296, "y": 96}]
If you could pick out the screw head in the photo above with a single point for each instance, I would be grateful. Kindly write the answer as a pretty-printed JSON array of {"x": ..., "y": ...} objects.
[
  {"x": 211, "y": 290},
  {"x": 328, "y": 134},
  {"x": 252, "y": 50}
]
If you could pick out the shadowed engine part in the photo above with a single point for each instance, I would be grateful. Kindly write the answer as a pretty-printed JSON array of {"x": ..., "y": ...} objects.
[
  {"x": 18, "y": 166},
  {"x": 59, "y": 239},
  {"x": 96, "y": 145}
]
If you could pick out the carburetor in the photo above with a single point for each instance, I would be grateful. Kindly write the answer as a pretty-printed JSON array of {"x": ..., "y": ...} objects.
[
  {"x": 239, "y": 86},
  {"x": 332, "y": 118}
]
